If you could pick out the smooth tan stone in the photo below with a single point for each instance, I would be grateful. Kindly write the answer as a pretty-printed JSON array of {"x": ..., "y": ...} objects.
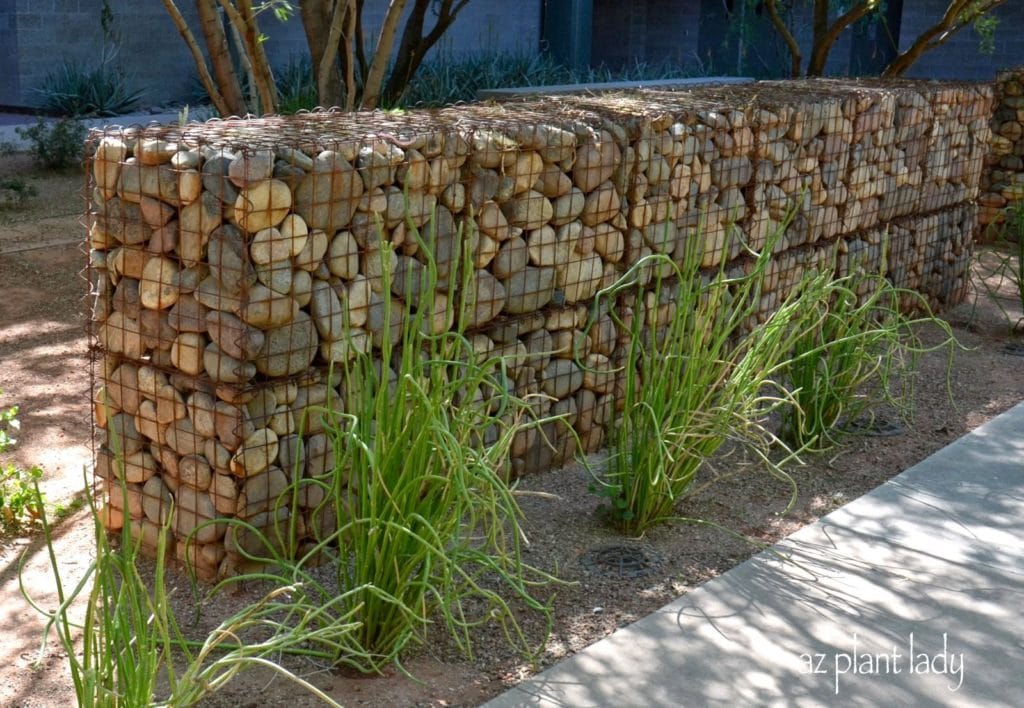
[
  {"x": 262, "y": 205},
  {"x": 158, "y": 287}
]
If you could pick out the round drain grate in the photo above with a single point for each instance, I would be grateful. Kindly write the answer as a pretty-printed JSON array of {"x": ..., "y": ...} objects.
[
  {"x": 621, "y": 561},
  {"x": 875, "y": 427}
]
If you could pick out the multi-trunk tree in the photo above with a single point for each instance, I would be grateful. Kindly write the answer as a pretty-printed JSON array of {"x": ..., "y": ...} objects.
[
  {"x": 347, "y": 72},
  {"x": 830, "y": 18}
]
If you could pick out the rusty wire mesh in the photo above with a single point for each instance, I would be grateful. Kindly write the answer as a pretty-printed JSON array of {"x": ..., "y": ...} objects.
[{"x": 233, "y": 262}]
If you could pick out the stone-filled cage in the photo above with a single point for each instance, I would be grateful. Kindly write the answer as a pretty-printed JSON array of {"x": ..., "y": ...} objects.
[{"x": 234, "y": 263}]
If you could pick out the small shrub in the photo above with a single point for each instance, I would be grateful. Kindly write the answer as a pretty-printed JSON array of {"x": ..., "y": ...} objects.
[
  {"x": 19, "y": 504},
  {"x": 15, "y": 191},
  {"x": 76, "y": 91},
  {"x": 55, "y": 144}
]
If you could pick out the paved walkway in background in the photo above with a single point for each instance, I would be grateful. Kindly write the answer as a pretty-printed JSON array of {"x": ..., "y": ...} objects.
[
  {"x": 10, "y": 121},
  {"x": 912, "y": 595}
]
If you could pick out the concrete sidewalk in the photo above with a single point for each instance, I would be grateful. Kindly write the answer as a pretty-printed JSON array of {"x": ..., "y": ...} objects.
[{"x": 911, "y": 595}]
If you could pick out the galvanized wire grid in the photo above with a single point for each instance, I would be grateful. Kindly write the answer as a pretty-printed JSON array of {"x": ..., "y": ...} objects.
[{"x": 233, "y": 262}]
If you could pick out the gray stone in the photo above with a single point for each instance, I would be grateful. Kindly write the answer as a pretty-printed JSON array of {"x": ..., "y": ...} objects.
[
  {"x": 194, "y": 509},
  {"x": 182, "y": 437},
  {"x": 215, "y": 296},
  {"x": 234, "y": 337},
  {"x": 224, "y": 368},
  {"x": 268, "y": 308},
  {"x": 561, "y": 378},
  {"x": 288, "y": 349},
  {"x": 156, "y": 501},
  {"x": 328, "y": 197},
  {"x": 529, "y": 211},
  {"x": 200, "y": 407},
  {"x": 529, "y": 290},
  {"x": 484, "y": 300},
  {"x": 194, "y": 470},
  {"x": 381, "y": 318},
  {"x": 260, "y": 492},
  {"x": 327, "y": 310},
  {"x": 512, "y": 258},
  {"x": 228, "y": 259},
  {"x": 251, "y": 167},
  {"x": 215, "y": 178},
  {"x": 187, "y": 315},
  {"x": 224, "y": 493}
]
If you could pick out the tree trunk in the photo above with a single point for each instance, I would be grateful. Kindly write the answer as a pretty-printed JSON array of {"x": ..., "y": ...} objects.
[
  {"x": 381, "y": 55},
  {"x": 212, "y": 27},
  {"x": 414, "y": 45},
  {"x": 317, "y": 22},
  {"x": 825, "y": 35},
  {"x": 787, "y": 36}
]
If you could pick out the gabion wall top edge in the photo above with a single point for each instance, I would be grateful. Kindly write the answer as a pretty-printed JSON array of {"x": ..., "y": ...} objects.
[{"x": 576, "y": 113}]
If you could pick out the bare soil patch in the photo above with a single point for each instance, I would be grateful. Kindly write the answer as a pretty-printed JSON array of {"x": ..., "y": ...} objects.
[{"x": 45, "y": 371}]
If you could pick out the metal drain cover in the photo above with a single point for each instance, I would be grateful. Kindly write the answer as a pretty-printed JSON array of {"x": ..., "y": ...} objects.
[
  {"x": 622, "y": 561},
  {"x": 875, "y": 427}
]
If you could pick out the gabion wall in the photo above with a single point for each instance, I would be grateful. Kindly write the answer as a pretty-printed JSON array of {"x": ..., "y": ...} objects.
[
  {"x": 1003, "y": 180},
  {"x": 227, "y": 257}
]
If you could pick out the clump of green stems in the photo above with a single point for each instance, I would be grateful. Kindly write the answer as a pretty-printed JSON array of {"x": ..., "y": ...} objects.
[
  {"x": 130, "y": 640},
  {"x": 418, "y": 523},
  {"x": 1008, "y": 266},
  {"x": 694, "y": 382},
  {"x": 856, "y": 334}
]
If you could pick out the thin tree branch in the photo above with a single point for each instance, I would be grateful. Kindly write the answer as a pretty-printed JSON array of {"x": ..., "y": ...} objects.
[
  {"x": 381, "y": 55},
  {"x": 958, "y": 15},
  {"x": 324, "y": 73},
  {"x": 787, "y": 36},
  {"x": 197, "y": 55},
  {"x": 823, "y": 42}
]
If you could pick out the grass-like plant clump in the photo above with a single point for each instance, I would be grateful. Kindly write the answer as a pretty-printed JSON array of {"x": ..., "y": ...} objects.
[
  {"x": 695, "y": 376},
  {"x": 418, "y": 525},
  {"x": 1002, "y": 265},
  {"x": 857, "y": 351}
]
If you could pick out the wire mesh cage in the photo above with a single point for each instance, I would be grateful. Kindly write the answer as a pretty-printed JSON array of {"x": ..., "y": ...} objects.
[{"x": 238, "y": 265}]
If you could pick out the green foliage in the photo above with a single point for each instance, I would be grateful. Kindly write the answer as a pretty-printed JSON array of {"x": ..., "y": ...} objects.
[
  {"x": 694, "y": 379},
  {"x": 857, "y": 351},
  {"x": 1002, "y": 264},
  {"x": 130, "y": 641},
  {"x": 77, "y": 91},
  {"x": 15, "y": 191},
  {"x": 55, "y": 144},
  {"x": 416, "y": 519},
  {"x": 19, "y": 505},
  {"x": 452, "y": 79},
  {"x": 296, "y": 90}
]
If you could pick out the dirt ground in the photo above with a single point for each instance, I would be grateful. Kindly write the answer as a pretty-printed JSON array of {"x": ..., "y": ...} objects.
[{"x": 45, "y": 371}]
